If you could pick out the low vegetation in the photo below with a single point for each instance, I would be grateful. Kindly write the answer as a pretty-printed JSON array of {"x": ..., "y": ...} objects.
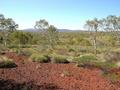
[
  {"x": 59, "y": 59},
  {"x": 39, "y": 58},
  {"x": 49, "y": 45},
  {"x": 86, "y": 60},
  {"x": 6, "y": 62}
]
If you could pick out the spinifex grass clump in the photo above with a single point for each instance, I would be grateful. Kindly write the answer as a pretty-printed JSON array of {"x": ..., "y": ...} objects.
[
  {"x": 112, "y": 56},
  {"x": 91, "y": 60},
  {"x": 113, "y": 77},
  {"x": 6, "y": 62},
  {"x": 86, "y": 60},
  {"x": 39, "y": 58},
  {"x": 25, "y": 53},
  {"x": 58, "y": 58},
  {"x": 107, "y": 72}
]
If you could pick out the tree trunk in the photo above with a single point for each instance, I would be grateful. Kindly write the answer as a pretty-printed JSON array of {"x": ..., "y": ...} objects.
[
  {"x": 95, "y": 42},
  {"x": 95, "y": 46}
]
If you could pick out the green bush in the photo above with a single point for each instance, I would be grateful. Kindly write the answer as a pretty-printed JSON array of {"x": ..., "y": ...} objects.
[
  {"x": 86, "y": 60},
  {"x": 91, "y": 60},
  {"x": 3, "y": 49},
  {"x": 59, "y": 59},
  {"x": 109, "y": 65},
  {"x": 39, "y": 58},
  {"x": 86, "y": 57},
  {"x": 86, "y": 49},
  {"x": 12, "y": 46},
  {"x": 106, "y": 66},
  {"x": 16, "y": 50},
  {"x": 71, "y": 50},
  {"x": 6, "y": 63},
  {"x": 71, "y": 59},
  {"x": 113, "y": 77}
]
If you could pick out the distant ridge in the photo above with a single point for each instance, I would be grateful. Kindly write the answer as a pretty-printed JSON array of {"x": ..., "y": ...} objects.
[{"x": 60, "y": 30}]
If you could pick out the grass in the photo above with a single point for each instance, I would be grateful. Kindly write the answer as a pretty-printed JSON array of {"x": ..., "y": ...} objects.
[
  {"x": 85, "y": 60},
  {"x": 111, "y": 76},
  {"x": 39, "y": 58},
  {"x": 59, "y": 59},
  {"x": 6, "y": 62}
]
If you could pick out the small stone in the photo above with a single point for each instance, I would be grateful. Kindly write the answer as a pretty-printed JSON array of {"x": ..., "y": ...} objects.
[
  {"x": 38, "y": 66},
  {"x": 62, "y": 75}
]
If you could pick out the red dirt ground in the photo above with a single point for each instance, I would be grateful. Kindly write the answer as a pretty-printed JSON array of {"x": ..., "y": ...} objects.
[{"x": 47, "y": 76}]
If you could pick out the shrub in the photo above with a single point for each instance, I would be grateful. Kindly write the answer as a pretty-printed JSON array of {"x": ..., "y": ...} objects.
[
  {"x": 86, "y": 57},
  {"x": 39, "y": 58},
  {"x": 113, "y": 77},
  {"x": 112, "y": 56},
  {"x": 85, "y": 60},
  {"x": 91, "y": 60},
  {"x": 2, "y": 49},
  {"x": 108, "y": 73},
  {"x": 25, "y": 53},
  {"x": 71, "y": 50},
  {"x": 13, "y": 46},
  {"x": 59, "y": 59},
  {"x": 6, "y": 63},
  {"x": 16, "y": 50},
  {"x": 71, "y": 59},
  {"x": 83, "y": 50},
  {"x": 106, "y": 66}
]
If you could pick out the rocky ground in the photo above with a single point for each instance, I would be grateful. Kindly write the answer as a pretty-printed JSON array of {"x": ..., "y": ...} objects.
[{"x": 47, "y": 76}]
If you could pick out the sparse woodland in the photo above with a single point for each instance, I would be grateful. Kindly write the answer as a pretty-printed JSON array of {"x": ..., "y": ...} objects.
[{"x": 97, "y": 46}]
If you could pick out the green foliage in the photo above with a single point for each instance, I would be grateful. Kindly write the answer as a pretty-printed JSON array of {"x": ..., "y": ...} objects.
[
  {"x": 39, "y": 58},
  {"x": 90, "y": 59},
  {"x": 85, "y": 60},
  {"x": 2, "y": 49},
  {"x": 6, "y": 63},
  {"x": 49, "y": 32},
  {"x": 86, "y": 57},
  {"x": 106, "y": 66},
  {"x": 58, "y": 59},
  {"x": 19, "y": 37},
  {"x": 16, "y": 50},
  {"x": 113, "y": 77},
  {"x": 71, "y": 50},
  {"x": 7, "y": 25},
  {"x": 84, "y": 42}
]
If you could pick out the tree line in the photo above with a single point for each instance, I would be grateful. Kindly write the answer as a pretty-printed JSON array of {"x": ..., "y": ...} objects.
[
  {"x": 49, "y": 34},
  {"x": 109, "y": 24}
]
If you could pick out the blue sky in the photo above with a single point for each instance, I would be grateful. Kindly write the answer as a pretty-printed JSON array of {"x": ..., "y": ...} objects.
[{"x": 68, "y": 14}]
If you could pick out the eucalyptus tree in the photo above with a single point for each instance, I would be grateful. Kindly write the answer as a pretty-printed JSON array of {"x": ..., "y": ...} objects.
[
  {"x": 49, "y": 32},
  {"x": 7, "y": 25},
  {"x": 118, "y": 29},
  {"x": 93, "y": 27},
  {"x": 2, "y": 18},
  {"x": 52, "y": 36},
  {"x": 112, "y": 24}
]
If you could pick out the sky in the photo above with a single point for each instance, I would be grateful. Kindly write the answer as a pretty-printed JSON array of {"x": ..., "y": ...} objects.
[{"x": 63, "y": 14}]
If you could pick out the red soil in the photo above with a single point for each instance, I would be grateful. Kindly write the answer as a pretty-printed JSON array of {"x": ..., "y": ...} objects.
[{"x": 47, "y": 76}]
